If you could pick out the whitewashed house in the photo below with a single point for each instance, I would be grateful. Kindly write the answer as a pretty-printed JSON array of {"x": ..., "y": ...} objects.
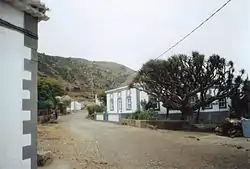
[
  {"x": 18, "y": 74},
  {"x": 122, "y": 101}
]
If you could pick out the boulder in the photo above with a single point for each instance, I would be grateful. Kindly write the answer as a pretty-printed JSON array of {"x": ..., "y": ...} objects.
[{"x": 44, "y": 158}]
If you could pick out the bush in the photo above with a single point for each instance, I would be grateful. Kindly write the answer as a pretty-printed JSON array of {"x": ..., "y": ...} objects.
[
  {"x": 99, "y": 108},
  {"x": 143, "y": 115},
  {"x": 47, "y": 104},
  {"x": 92, "y": 108},
  {"x": 230, "y": 127},
  {"x": 49, "y": 89}
]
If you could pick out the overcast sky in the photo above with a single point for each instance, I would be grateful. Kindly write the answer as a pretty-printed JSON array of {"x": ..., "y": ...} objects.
[{"x": 131, "y": 32}]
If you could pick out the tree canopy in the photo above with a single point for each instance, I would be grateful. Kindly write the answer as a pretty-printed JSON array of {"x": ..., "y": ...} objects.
[
  {"x": 102, "y": 97},
  {"x": 240, "y": 100},
  {"x": 180, "y": 78},
  {"x": 48, "y": 89}
]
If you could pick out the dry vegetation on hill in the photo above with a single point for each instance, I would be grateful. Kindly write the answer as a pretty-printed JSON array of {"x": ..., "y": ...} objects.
[{"x": 78, "y": 76}]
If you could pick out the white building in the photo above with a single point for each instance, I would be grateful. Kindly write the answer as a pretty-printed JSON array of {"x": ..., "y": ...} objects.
[
  {"x": 74, "y": 106},
  {"x": 18, "y": 74},
  {"x": 121, "y": 102}
]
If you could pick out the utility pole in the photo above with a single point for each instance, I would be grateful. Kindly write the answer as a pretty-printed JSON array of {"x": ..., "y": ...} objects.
[{"x": 92, "y": 83}]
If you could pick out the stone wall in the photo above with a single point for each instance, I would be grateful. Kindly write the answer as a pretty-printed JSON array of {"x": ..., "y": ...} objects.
[{"x": 159, "y": 124}]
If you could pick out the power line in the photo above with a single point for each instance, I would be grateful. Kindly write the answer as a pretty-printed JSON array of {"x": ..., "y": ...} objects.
[{"x": 196, "y": 28}]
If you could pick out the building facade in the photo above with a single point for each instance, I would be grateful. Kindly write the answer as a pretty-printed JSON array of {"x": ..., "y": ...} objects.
[
  {"x": 122, "y": 102},
  {"x": 18, "y": 65}
]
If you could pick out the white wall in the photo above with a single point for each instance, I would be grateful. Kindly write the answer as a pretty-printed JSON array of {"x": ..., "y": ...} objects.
[
  {"x": 113, "y": 117},
  {"x": 115, "y": 103},
  {"x": 133, "y": 101},
  {"x": 99, "y": 117},
  {"x": 12, "y": 53},
  {"x": 144, "y": 96},
  {"x": 11, "y": 15},
  {"x": 74, "y": 105},
  {"x": 215, "y": 107},
  {"x": 123, "y": 96}
]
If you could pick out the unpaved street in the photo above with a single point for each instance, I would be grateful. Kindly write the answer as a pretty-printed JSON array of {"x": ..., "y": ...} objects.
[{"x": 80, "y": 143}]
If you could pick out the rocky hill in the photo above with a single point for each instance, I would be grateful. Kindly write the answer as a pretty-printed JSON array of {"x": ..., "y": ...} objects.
[{"x": 80, "y": 76}]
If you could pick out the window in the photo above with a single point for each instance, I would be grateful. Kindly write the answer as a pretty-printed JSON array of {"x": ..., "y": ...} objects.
[
  {"x": 192, "y": 100},
  {"x": 210, "y": 106},
  {"x": 111, "y": 102},
  {"x": 222, "y": 103},
  {"x": 155, "y": 103},
  {"x": 128, "y": 100},
  {"x": 119, "y": 104},
  {"x": 129, "y": 103}
]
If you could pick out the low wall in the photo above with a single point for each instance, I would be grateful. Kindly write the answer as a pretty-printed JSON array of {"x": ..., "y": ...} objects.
[
  {"x": 99, "y": 117},
  {"x": 159, "y": 124}
]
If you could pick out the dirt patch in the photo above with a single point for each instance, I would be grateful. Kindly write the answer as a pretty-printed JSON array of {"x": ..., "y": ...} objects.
[{"x": 66, "y": 150}]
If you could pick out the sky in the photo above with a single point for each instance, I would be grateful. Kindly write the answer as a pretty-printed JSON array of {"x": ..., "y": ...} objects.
[{"x": 131, "y": 32}]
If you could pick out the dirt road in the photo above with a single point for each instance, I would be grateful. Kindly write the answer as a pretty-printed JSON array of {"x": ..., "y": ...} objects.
[{"x": 80, "y": 143}]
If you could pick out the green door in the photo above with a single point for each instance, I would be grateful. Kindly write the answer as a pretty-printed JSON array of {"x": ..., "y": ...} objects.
[{"x": 105, "y": 115}]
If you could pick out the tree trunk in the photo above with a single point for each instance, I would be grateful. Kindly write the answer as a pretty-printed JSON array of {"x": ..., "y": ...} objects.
[
  {"x": 248, "y": 113},
  {"x": 197, "y": 118},
  {"x": 167, "y": 115},
  {"x": 185, "y": 112}
]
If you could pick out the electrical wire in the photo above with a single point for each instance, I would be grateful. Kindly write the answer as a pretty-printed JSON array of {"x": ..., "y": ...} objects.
[{"x": 196, "y": 28}]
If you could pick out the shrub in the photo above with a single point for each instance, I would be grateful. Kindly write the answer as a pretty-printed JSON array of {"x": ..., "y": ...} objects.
[
  {"x": 143, "y": 115},
  {"x": 47, "y": 104},
  {"x": 99, "y": 108},
  {"x": 48, "y": 90},
  {"x": 92, "y": 108}
]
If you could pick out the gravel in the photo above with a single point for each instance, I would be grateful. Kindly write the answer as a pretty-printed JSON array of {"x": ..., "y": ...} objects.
[{"x": 80, "y": 143}]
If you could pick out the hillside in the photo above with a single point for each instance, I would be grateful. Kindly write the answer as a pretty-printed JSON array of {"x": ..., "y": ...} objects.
[{"x": 79, "y": 75}]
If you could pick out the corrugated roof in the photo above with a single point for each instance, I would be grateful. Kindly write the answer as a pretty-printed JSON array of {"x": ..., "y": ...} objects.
[{"x": 33, "y": 7}]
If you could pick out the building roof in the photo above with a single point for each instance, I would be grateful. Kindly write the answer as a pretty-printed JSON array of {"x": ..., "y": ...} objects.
[
  {"x": 35, "y": 8},
  {"x": 116, "y": 89}
]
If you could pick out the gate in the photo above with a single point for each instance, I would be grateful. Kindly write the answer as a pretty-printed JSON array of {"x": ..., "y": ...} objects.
[{"x": 105, "y": 116}]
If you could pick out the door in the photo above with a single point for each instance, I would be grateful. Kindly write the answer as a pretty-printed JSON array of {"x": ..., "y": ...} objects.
[{"x": 105, "y": 115}]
